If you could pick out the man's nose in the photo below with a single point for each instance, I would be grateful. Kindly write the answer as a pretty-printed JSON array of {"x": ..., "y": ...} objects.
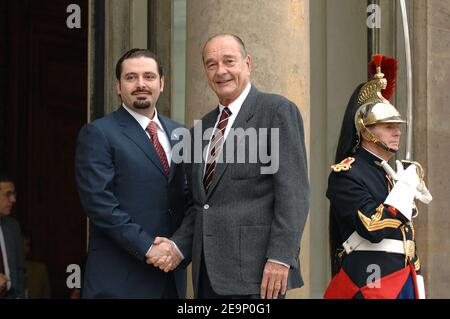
[
  {"x": 141, "y": 82},
  {"x": 221, "y": 69}
]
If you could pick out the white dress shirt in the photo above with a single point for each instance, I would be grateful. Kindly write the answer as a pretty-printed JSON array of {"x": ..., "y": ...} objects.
[
  {"x": 144, "y": 121},
  {"x": 5, "y": 258},
  {"x": 234, "y": 107}
]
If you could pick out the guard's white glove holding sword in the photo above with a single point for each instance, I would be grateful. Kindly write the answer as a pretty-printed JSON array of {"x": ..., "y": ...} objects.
[
  {"x": 402, "y": 194},
  {"x": 422, "y": 193}
]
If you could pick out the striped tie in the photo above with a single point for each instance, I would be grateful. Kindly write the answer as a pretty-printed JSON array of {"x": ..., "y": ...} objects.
[
  {"x": 215, "y": 147},
  {"x": 152, "y": 129}
]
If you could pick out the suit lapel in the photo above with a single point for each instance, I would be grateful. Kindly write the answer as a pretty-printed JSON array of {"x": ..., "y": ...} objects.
[
  {"x": 245, "y": 114},
  {"x": 134, "y": 132}
]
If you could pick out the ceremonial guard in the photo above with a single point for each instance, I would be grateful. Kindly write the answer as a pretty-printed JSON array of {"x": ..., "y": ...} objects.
[{"x": 372, "y": 238}]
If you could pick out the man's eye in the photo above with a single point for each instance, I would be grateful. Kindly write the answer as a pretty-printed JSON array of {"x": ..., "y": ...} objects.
[
  {"x": 130, "y": 77},
  {"x": 150, "y": 76}
]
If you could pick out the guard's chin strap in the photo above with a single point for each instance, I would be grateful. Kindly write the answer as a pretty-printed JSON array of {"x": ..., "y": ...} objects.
[{"x": 372, "y": 138}]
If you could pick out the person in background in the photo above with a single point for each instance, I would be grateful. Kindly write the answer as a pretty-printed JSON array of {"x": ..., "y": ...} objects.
[
  {"x": 12, "y": 260},
  {"x": 38, "y": 283},
  {"x": 372, "y": 237}
]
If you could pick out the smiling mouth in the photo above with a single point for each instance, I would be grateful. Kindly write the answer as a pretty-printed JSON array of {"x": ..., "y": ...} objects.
[
  {"x": 142, "y": 93},
  {"x": 223, "y": 82}
]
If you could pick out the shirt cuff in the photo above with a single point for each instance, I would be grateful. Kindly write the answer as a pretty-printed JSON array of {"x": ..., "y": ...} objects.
[
  {"x": 278, "y": 262},
  {"x": 148, "y": 251},
  {"x": 178, "y": 250}
]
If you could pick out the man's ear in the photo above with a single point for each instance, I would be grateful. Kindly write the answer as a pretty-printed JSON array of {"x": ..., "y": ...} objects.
[
  {"x": 248, "y": 61},
  {"x": 118, "y": 90},
  {"x": 162, "y": 84}
]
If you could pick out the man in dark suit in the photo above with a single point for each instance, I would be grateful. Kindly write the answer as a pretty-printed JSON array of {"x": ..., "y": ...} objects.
[
  {"x": 130, "y": 189},
  {"x": 244, "y": 233},
  {"x": 12, "y": 260}
]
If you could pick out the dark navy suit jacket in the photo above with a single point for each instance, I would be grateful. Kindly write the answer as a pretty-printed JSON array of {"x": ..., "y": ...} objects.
[
  {"x": 15, "y": 254},
  {"x": 129, "y": 201}
]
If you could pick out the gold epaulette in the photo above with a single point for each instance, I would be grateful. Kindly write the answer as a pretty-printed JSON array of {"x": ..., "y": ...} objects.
[{"x": 345, "y": 165}]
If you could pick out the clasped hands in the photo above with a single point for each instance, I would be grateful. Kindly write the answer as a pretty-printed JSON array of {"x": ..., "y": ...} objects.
[
  {"x": 164, "y": 255},
  {"x": 3, "y": 283}
]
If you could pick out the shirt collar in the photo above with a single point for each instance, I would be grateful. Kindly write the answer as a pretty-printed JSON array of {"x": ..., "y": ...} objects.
[
  {"x": 370, "y": 157},
  {"x": 144, "y": 120},
  {"x": 378, "y": 157},
  {"x": 235, "y": 106}
]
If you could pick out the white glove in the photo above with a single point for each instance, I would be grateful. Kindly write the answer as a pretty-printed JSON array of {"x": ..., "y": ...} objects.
[
  {"x": 402, "y": 194},
  {"x": 422, "y": 194}
]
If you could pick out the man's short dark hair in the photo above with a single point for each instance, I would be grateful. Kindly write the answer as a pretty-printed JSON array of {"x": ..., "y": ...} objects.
[
  {"x": 4, "y": 177},
  {"x": 235, "y": 37},
  {"x": 136, "y": 53}
]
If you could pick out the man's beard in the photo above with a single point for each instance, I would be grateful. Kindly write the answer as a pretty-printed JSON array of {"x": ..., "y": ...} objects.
[{"x": 142, "y": 104}]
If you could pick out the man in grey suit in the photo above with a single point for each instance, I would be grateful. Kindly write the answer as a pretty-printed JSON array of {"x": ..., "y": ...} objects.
[
  {"x": 12, "y": 260},
  {"x": 243, "y": 234}
]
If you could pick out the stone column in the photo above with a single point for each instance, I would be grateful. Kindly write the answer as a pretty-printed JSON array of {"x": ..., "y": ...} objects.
[
  {"x": 125, "y": 28},
  {"x": 276, "y": 34},
  {"x": 431, "y": 38},
  {"x": 160, "y": 36},
  {"x": 338, "y": 65}
]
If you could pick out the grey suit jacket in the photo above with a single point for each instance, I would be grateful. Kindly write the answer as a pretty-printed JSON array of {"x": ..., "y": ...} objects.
[
  {"x": 248, "y": 217},
  {"x": 15, "y": 254}
]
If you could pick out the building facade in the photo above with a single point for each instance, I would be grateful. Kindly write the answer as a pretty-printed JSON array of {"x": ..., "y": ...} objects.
[{"x": 315, "y": 53}]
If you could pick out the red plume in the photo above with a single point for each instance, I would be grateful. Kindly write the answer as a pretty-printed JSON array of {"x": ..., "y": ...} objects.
[
  {"x": 389, "y": 68},
  {"x": 377, "y": 59}
]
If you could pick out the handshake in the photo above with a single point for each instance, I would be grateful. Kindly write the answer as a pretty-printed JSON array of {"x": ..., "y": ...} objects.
[{"x": 164, "y": 254}]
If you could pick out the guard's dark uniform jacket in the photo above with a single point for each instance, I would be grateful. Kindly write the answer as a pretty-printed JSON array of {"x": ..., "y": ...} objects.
[{"x": 357, "y": 188}]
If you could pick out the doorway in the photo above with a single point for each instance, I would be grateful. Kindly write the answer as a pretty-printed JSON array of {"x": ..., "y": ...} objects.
[{"x": 45, "y": 95}]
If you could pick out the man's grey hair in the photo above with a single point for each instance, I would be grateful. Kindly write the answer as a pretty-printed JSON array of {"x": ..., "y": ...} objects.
[{"x": 238, "y": 40}]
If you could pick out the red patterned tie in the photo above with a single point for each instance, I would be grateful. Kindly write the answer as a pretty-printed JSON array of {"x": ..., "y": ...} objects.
[
  {"x": 215, "y": 147},
  {"x": 152, "y": 129}
]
